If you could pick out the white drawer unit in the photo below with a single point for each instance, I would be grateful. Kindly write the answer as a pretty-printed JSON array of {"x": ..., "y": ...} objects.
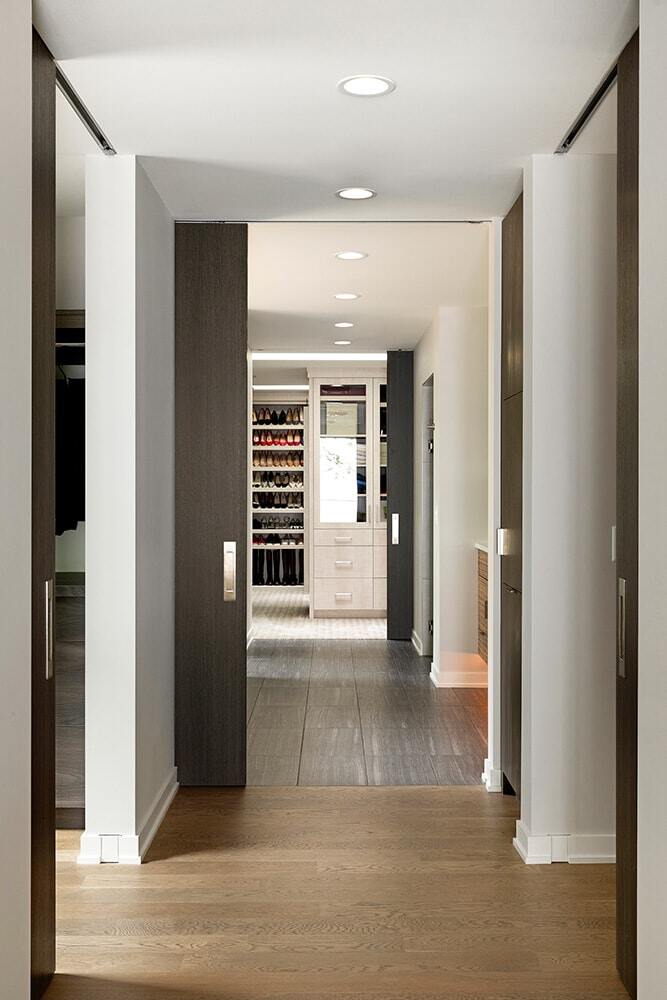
[
  {"x": 380, "y": 560},
  {"x": 343, "y": 595},
  {"x": 380, "y": 595},
  {"x": 342, "y": 536},
  {"x": 380, "y": 536},
  {"x": 343, "y": 561}
]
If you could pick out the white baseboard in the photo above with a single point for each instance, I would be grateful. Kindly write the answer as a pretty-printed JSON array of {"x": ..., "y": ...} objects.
[
  {"x": 492, "y": 778},
  {"x": 460, "y": 670},
  {"x": 129, "y": 848},
  {"x": 417, "y": 643},
  {"x": 573, "y": 848}
]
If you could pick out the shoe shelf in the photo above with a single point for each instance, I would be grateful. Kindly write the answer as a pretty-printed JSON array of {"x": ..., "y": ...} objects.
[
  {"x": 282, "y": 545},
  {"x": 284, "y": 564},
  {"x": 283, "y": 428}
]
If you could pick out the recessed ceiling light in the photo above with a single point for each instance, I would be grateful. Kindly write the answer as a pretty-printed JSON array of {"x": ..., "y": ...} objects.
[
  {"x": 350, "y": 255},
  {"x": 355, "y": 194},
  {"x": 347, "y": 296},
  {"x": 343, "y": 326},
  {"x": 366, "y": 86},
  {"x": 342, "y": 343}
]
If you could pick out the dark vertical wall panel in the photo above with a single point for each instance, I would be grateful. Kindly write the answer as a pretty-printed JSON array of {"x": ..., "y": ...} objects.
[
  {"x": 400, "y": 459},
  {"x": 211, "y": 501},
  {"x": 43, "y": 510},
  {"x": 511, "y": 501},
  {"x": 627, "y": 507}
]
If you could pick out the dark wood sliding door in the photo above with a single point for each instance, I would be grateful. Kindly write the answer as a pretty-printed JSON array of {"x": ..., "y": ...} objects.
[
  {"x": 511, "y": 496},
  {"x": 400, "y": 450},
  {"x": 43, "y": 877},
  {"x": 627, "y": 516},
  {"x": 211, "y": 502}
]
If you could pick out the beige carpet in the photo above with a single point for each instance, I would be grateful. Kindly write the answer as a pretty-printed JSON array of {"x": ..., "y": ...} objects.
[{"x": 283, "y": 614}]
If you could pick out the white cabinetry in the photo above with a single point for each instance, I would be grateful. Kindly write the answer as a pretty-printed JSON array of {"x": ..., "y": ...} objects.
[{"x": 348, "y": 440}]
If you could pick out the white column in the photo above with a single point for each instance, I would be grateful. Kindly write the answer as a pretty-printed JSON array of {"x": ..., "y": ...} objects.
[
  {"x": 15, "y": 497},
  {"x": 652, "y": 807},
  {"x": 130, "y": 774},
  {"x": 568, "y": 724}
]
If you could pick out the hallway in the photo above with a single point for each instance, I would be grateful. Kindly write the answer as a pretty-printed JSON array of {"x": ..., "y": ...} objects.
[
  {"x": 358, "y": 712},
  {"x": 336, "y": 893}
]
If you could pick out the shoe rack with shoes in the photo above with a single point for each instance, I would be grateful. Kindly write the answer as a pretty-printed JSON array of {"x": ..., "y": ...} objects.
[{"x": 278, "y": 494}]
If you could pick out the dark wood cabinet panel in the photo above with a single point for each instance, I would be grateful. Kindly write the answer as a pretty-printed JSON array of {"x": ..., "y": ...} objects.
[
  {"x": 627, "y": 509},
  {"x": 510, "y": 694},
  {"x": 512, "y": 301},
  {"x": 211, "y": 501},
  {"x": 483, "y": 605},
  {"x": 43, "y": 876},
  {"x": 511, "y": 486},
  {"x": 400, "y": 450},
  {"x": 511, "y": 498}
]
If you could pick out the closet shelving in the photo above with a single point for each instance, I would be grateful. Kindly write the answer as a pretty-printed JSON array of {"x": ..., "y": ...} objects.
[{"x": 278, "y": 498}]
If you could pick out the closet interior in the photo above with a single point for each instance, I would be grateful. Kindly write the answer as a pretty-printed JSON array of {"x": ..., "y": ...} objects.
[
  {"x": 278, "y": 492},
  {"x": 318, "y": 491}
]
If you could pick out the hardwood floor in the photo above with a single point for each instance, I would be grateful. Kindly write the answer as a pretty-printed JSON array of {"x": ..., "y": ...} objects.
[
  {"x": 358, "y": 712},
  {"x": 334, "y": 894}
]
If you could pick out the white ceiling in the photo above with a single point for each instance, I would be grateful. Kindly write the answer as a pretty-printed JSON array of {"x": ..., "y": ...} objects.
[
  {"x": 411, "y": 269},
  {"x": 237, "y": 107}
]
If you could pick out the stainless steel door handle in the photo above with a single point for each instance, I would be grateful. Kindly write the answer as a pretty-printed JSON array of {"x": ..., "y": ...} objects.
[
  {"x": 620, "y": 627},
  {"x": 395, "y": 525},
  {"x": 229, "y": 571}
]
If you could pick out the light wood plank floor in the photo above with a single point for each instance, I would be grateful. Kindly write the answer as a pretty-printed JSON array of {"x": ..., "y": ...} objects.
[{"x": 334, "y": 894}]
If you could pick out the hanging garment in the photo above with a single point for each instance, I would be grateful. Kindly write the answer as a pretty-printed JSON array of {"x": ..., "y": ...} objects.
[{"x": 70, "y": 453}]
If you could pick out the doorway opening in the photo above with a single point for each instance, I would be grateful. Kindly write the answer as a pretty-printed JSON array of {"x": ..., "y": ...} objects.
[{"x": 330, "y": 699}]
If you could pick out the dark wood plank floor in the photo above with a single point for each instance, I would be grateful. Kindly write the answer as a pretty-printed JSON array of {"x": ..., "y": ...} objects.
[
  {"x": 358, "y": 712},
  {"x": 334, "y": 894},
  {"x": 70, "y": 702}
]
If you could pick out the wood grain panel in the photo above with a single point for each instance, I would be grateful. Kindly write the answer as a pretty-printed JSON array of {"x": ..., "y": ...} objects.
[
  {"x": 211, "y": 487},
  {"x": 483, "y": 605},
  {"x": 512, "y": 301},
  {"x": 510, "y": 692},
  {"x": 335, "y": 894},
  {"x": 43, "y": 509},
  {"x": 627, "y": 506},
  {"x": 400, "y": 457},
  {"x": 511, "y": 500}
]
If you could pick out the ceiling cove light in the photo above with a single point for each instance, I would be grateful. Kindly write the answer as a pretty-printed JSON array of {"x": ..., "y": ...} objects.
[
  {"x": 344, "y": 326},
  {"x": 318, "y": 356},
  {"x": 342, "y": 343},
  {"x": 356, "y": 194},
  {"x": 366, "y": 85},
  {"x": 347, "y": 296},
  {"x": 350, "y": 255}
]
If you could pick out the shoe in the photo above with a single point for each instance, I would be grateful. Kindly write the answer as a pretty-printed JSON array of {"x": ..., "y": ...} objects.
[
  {"x": 274, "y": 417},
  {"x": 283, "y": 417}
]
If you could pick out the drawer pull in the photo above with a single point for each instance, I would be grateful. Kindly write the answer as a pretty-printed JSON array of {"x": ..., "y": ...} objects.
[
  {"x": 343, "y": 562},
  {"x": 342, "y": 539},
  {"x": 343, "y": 597}
]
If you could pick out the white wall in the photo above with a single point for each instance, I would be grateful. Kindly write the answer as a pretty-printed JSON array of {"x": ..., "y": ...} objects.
[
  {"x": 130, "y": 526},
  {"x": 652, "y": 807},
  {"x": 70, "y": 262},
  {"x": 454, "y": 350},
  {"x": 15, "y": 499},
  {"x": 568, "y": 727},
  {"x": 155, "y": 495}
]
